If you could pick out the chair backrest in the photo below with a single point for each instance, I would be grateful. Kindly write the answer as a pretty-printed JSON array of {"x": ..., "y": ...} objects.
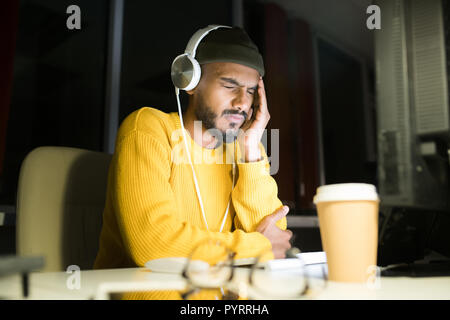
[{"x": 60, "y": 200}]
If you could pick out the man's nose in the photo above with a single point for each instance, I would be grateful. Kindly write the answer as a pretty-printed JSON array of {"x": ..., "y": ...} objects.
[{"x": 242, "y": 101}]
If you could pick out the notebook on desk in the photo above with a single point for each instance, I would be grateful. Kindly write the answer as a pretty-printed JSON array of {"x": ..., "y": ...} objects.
[{"x": 305, "y": 258}]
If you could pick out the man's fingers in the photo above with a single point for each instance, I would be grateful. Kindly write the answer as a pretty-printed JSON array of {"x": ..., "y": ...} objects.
[
  {"x": 262, "y": 97},
  {"x": 280, "y": 213},
  {"x": 248, "y": 121},
  {"x": 287, "y": 234},
  {"x": 250, "y": 113},
  {"x": 272, "y": 218}
]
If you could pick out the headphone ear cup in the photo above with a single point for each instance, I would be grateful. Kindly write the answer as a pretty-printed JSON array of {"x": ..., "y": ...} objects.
[{"x": 185, "y": 72}]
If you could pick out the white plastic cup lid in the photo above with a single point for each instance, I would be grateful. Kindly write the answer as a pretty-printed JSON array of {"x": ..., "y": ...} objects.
[{"x": 346, "y": 192}]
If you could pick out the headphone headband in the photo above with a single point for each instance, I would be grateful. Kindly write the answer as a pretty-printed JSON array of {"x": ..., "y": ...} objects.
[{"x": 197, "y": 37}]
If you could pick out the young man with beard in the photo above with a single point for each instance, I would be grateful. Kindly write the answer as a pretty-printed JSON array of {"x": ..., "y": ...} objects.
[{"x": 153, "y": 209}]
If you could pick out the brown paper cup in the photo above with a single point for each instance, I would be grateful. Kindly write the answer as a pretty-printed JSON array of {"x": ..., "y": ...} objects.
[{"x": 348, "y": 220}]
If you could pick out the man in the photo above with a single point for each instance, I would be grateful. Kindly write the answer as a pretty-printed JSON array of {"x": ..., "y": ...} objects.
[{"x": 152, "y": 209}]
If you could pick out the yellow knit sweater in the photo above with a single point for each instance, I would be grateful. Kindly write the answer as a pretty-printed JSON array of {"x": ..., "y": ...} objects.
[{"x": 152, "y": 210}]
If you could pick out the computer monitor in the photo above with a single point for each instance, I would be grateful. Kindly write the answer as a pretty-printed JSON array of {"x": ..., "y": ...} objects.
[{"x": 412, "y": 59}]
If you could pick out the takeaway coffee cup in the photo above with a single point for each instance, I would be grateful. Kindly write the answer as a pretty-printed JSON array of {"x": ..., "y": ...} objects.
[{"x": 348, "y": 220}]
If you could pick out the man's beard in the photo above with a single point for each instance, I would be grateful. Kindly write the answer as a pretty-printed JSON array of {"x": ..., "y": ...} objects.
[{"x": 208, "y": 117}]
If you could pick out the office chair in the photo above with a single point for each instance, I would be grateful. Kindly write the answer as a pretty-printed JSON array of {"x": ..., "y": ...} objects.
[{"x": 60, "y": 200}]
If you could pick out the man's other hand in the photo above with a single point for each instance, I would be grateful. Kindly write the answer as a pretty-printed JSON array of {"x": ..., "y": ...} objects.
[{"x": 277, "y": 237}]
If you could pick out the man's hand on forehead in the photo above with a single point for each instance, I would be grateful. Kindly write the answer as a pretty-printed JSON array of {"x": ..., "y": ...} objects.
[{"x": 253, "y": 128}]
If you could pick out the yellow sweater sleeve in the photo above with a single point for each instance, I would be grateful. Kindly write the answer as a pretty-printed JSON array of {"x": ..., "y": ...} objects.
[
  {"x": 146, "y": 208},
  {"x": 255, "y": 195}
]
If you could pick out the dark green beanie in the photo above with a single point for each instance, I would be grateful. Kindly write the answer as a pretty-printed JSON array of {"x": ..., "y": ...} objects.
[{"x": 230, "y": 45}]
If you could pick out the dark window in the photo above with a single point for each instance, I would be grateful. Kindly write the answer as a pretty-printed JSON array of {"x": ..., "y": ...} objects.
[{"x": 58, "y": 84}]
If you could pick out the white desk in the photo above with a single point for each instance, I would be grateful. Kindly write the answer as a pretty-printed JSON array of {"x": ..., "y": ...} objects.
[{"x": 53, "y": 285}]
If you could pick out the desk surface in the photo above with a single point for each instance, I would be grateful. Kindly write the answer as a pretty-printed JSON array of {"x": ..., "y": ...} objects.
[{"x": 95, "y": 283}]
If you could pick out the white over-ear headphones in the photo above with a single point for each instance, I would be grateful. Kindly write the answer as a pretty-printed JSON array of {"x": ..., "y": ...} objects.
[{"x": 186, "y": 70}]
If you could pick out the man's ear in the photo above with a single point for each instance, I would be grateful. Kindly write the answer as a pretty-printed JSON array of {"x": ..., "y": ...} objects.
[{"x": 190, "y": 92}]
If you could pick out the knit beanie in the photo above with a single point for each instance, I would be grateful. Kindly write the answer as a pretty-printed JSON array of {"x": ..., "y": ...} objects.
[{"x": 230, "y": 45}]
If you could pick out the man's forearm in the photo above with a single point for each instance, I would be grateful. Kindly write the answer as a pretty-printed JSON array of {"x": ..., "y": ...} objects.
[{"x": 255, "y": 193}]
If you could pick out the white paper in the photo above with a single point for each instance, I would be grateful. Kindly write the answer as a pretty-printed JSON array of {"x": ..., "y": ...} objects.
[
  {"x": 305, "y": 259},
  {"x": 313, "y": 257}
]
